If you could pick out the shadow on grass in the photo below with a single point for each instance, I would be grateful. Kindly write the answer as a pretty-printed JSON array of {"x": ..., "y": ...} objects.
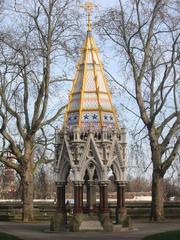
[
  {"x": 172, "y": 235},
  {"x": 4, "y": 236}
]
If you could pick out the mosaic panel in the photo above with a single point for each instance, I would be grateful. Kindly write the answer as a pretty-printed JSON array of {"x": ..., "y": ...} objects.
[
  {"x": 95, "y": 58},
  {"x": 74, "y": 105},
  {"x": 89, "y": 44},
  {"x": 79, "y": 81},
  {"x": 106, "y": 105},
  {"x": 82, "y": 58},
  {"x": 105, "y": 102},
  {"x": 90, "y": 117},
  {"x": 72, "y": 118},
  {"x": 90, "y": 95},
  {"x": 89, "y": 67},
  {"x": 104, "y": 96},
  {"x": 98, "y": 68},
  {"x": 108, "y": 117},
  {"x": 109, "y": 125},
  {"x": 76, "y": 96},
  {"x": 89, "y": 57},
  {"x": 93, "y": 104},
  {"x": 90, "y": 83},
  {"x": 90, "y": 101},
  {"x": 90, "y": 125},
  {"x": 101, "y": 84}
]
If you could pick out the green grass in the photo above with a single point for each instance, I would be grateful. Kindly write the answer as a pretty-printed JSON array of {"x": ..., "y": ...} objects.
[
  {"x": 172, "y": 235},
  {"x": 4, "y": 236}
]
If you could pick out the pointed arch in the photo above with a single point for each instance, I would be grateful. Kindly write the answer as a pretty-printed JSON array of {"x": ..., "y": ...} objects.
[
  {"x": 63, "y": 172},
  {"x": 111, "y": 159},
  {"x": 97, "y": 168},
  {"x": 91, "y": 145},
  {"x": 117, "y": 171},
  {"x": 118, "y": 149},
  {"x": 64, "y": 156},
  {"x": 96, "y": 152}
]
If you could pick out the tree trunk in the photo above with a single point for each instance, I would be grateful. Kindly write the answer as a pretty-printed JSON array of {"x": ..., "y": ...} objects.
[
  {"x": 157, "y": 205},
  {"x": 27, "y": 194}
]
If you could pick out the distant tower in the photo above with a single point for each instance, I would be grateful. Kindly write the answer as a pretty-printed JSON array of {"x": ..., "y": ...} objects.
[{"x": 91, "y": 143}]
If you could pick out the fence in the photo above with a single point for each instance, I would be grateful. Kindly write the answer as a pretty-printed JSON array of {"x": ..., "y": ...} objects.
[{"x": 43, "y": 210}]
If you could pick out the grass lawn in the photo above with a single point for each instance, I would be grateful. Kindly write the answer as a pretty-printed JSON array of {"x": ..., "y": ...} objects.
[
  {"x": 4, "y": 236},
  {"x": 172, "y": 235}
]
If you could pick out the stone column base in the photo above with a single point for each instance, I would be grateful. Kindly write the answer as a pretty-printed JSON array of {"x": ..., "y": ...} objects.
[
  {"x": 76, "y": 222},
  {"x": 106, "y": 222},
  {"x": 123, "y": 218},
  {"x": 58, "y": 222}
]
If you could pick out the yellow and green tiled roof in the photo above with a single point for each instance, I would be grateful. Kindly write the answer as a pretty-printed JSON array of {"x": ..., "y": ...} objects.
[{"x": 90, "y": 101}]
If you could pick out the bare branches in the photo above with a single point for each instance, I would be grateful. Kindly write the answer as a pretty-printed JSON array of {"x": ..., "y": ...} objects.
[
  {"x": 121, "y": 85},
  {"x": 49, "y": 121},
  {"x": 166, "y": 121},
  {"x": 41, "y": 35},
  {"x": 12, "y": 112},
  {"x": 148, "y": 37},
  {"x": 174, "y": 129},
  {"x": 168, "y": 162},
  {"x": 10, "y": 164}
]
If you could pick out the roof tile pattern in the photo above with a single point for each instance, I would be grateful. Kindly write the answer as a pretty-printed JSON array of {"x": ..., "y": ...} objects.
[{"x": 90, "y": 102}]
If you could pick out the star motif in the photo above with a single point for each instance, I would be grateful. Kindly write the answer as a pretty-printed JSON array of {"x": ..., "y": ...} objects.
[
  {"x": 105, "y": 117},
  {"x": 86, "y": 117},
  {"x": 94, "y": 117}
]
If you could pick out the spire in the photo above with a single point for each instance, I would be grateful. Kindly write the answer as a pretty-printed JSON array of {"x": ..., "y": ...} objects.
[
  {"x": 90, "y": 101},
  {"x": 89, "y": 7}
]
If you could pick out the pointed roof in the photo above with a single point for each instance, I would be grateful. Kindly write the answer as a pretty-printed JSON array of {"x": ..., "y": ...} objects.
[{"x": 90, "y": 100}]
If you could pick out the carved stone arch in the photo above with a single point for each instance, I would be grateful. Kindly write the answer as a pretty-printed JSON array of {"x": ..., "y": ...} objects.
[
  {"x": 86, "y": 175},
  {"x": 96, "y": 152},
  {"x": 63, "y": 172},
  {"x": 67, "y": 147},
  {"x": 117, "y": 171},
  {"x": 91, "y": 147},
  {"x": 85, "y": 168},
  {"x": 95, "y": 176},
  {"x": 64, "y": 156},
  {"x": 117, "y": 148}
]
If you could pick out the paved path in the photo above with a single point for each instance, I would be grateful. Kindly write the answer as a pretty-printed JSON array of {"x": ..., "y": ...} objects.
[{"x": 37, "y": 231}]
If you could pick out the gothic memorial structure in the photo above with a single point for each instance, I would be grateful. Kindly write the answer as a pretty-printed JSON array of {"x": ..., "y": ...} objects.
[{"x": 90, "y": 145}]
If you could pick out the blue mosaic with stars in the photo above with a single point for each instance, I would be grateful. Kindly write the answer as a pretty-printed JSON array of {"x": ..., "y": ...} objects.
[
  {"x": 90, "y": 117},
  {"x": 108, "y": 118},
  {"x": 73, "y": 118}
]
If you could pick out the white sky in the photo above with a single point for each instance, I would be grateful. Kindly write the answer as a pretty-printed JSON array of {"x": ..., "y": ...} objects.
[{"x": 105, "y": 3}]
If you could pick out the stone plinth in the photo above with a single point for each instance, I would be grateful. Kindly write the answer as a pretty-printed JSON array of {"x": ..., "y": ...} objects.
[
  {"x": 91, "y": 225},
  {"x": 58, "y": 222}
]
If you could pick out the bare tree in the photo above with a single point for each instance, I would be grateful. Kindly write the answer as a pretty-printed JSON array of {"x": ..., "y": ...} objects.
[
  {"x": 33, "y": 53},
  {"x": 147, "y": 34},
  {"x": 138, "y": 184},
  {"x": 44, "y": 182}
]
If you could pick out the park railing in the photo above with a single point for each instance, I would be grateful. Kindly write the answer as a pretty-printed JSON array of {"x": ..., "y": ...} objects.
[{"x": 44, "y": 210}]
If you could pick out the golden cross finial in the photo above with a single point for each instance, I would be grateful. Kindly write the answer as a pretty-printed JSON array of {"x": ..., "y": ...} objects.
[{"x": 89, "y": 6}]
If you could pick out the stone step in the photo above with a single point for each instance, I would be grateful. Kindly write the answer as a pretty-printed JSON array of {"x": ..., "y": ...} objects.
[
  {"x": 90, "y": 217},
  {"x": 91, "y": 225},
  {"x": 117, "y": 228}
]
